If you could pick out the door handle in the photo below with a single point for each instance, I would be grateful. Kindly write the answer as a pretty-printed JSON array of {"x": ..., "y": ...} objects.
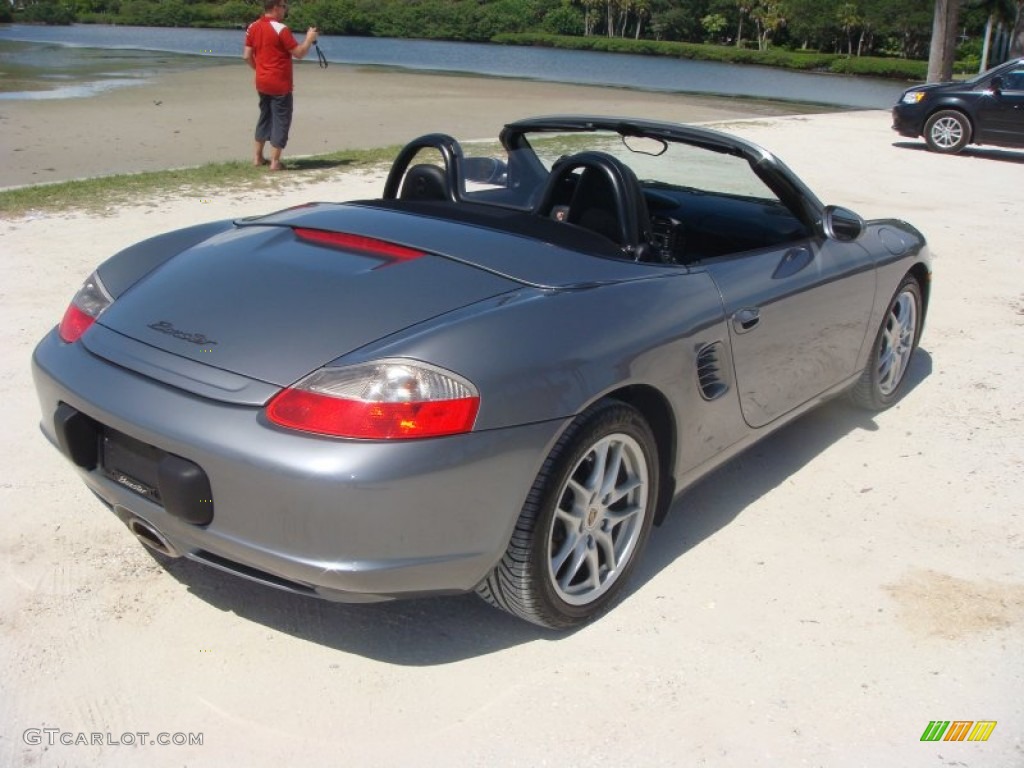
[{"x": 746, "y": 319}]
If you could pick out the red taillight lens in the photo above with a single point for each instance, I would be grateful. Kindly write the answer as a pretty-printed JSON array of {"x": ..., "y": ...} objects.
[
  {"x": 310, "y": 412},
  {"x": 390, "y": 399},
  {"x": 88, "y": 304},
  {"x": 74, "y": 323}
]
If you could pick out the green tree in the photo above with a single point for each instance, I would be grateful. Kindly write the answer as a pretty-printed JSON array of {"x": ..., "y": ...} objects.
[
  {"x": 46, "y": 12},
  {"x": 674, "y": 20},
  {"x": 237, "y": 13},
  {"x": 641, "y": 13},
  {"x": 83, "y": 7},
  {"x": 499, "y": 16},
  {"x": 714, "y": 25},
  {"x": 811, "y": 23},
  {"x": 744, "y": 7},
  {"x": 769, "y": 16},
  {"x": 1017, "y": 40},
  {"x": 903, "y": 28},
  {"x": 566, "y": 19},
  {"x": 591, "y": 15},
  {"x": 997, "y": 13},
  {"x": 894, "y": 28},
  {"x": 849, "y": 18}
]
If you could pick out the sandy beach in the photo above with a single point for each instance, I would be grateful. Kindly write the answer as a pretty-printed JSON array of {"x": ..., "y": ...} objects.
[
  {"x": 816, "y": 602},
  {"x": 208, "y": 115}
]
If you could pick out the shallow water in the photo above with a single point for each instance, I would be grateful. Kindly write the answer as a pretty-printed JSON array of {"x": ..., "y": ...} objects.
[
  {"x": 30, "y": 70},
  {"x": 203, "y": 47}
]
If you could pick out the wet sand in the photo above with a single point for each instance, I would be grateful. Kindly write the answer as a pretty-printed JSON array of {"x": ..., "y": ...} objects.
[{"x": 207, "y": 115}]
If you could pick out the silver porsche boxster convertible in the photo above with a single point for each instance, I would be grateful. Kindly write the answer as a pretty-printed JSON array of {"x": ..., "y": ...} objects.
[{"x": 495, "y": 377}]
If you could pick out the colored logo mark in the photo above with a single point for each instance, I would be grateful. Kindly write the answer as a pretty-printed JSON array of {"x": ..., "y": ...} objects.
[{"x": 958, "y": 730}]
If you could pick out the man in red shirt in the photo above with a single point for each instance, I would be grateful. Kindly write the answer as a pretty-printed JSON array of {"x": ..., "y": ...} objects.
[{"x": 269, "y": 49}]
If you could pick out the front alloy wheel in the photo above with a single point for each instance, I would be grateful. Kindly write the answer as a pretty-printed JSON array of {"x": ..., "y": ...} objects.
[
  {"x": 881, "y": 383},
  {"x": 897, "y": 342},
  {"x": 947, "y": 131},
  {"x": 584, "y": 523}
]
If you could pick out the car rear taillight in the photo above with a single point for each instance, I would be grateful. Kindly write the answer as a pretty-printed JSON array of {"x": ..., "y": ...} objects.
[
  {"x": 383, "y": 400},
  {"x": 88, "y": 304}
]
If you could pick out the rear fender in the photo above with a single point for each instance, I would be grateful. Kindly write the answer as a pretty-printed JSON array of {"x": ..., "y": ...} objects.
[{"x": 125, "y": 268}]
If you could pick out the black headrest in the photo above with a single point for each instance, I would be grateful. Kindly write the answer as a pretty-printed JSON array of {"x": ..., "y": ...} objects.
[{"x": 424, "y": 182}]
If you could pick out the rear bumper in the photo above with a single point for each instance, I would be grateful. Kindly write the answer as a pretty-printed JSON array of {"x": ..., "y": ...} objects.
[{"x": 346, "y": 520}]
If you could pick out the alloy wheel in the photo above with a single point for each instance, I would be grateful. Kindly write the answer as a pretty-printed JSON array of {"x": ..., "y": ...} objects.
[
  {"x": 897, "y": 342},
  {"x": 947, "y": 132},
  {"x": 598, "y": 520}
]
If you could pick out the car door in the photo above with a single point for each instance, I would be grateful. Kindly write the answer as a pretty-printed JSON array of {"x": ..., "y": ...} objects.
[
  {"x": 1001, "y": 113},
  {"x": 797, "y": 317}
]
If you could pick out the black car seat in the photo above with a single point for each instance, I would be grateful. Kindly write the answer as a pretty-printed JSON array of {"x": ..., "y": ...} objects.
[{"x": 606, "y": 198}]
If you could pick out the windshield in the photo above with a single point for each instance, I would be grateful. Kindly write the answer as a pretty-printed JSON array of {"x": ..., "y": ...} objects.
[
  {"x": 623, "y": 189},
  {"x": 1005, "y": 66},
  {"x": 514, "y": 178}
]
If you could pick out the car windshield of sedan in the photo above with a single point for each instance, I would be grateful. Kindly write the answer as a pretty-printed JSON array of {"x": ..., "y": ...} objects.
[{"x": 1005, "y": 67}]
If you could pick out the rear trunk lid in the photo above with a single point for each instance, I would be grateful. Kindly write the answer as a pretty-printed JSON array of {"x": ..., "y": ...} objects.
[{"x": 266, "y": 303}]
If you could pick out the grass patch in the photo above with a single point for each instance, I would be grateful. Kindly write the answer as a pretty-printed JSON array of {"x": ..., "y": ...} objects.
[{"x": 104, "y": 192}]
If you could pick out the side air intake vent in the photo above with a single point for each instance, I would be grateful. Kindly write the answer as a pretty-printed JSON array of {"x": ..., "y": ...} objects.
[{"x": 709, "y": 372}]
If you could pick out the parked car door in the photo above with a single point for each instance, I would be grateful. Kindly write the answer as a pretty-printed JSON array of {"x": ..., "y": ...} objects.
[
  {"x": 1001, "y": 113},
  {"x": 797, "y": 317}
]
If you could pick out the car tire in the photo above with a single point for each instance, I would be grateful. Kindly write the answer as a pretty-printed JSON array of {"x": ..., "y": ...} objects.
[
  {"x": 573, "y": 549},
  {"x": 947, "y": 131},
  {"x": 884, "y": 377}
]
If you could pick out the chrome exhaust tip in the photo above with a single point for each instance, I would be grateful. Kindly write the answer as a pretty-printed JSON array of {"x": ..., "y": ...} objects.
[{"x": 151, "y": 537}]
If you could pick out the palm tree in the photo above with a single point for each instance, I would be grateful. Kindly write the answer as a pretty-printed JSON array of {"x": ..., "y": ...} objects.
[
  {"x": 642, "y": 9},
  {"x": 591, "y": 11},
  {"x": 769, "y": 17},
  {"x": 849, "y": 18},
  {"x": 744, "y": 7},
  {"x": 1000, "y": 12},
  {"x": 943, "y": 46},
  {"x": 1017, "y": 41}
]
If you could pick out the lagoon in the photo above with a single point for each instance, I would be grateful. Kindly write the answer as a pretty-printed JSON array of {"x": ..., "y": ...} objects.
[{"x": 131, "y": 54}]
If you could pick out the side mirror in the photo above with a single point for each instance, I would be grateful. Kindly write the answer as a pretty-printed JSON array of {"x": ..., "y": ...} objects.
[
  {"x": 996, "y": 84},
  {"x": 842, "y": 224}
]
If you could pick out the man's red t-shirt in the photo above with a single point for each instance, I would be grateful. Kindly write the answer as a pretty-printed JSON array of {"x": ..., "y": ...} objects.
[{"x": 272, "y": 43}]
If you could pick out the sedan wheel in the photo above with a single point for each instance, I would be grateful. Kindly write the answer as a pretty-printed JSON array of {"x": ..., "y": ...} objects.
[
  {"x": 881, "y": 383},
  {"x": 947, "y": 131},
  {"x": 584, "y": 523}
]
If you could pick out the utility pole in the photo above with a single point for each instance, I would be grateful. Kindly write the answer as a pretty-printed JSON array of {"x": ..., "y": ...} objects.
[{"x": 943, "y": 48}]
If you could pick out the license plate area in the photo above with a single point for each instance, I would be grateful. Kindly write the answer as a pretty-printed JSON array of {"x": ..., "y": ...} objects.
[{"x": 131, "y": 463}]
